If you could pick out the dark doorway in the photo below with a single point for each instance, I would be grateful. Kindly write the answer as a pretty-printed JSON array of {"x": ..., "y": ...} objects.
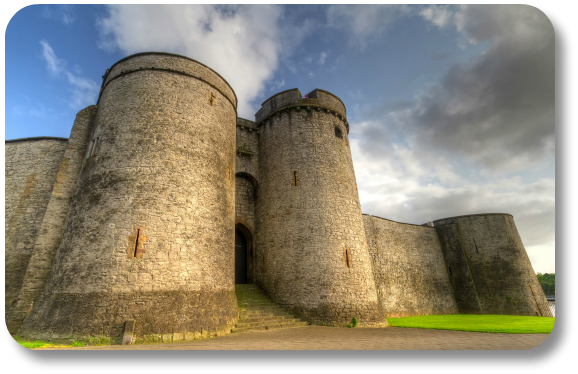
[{"x": 240, "y": 258}]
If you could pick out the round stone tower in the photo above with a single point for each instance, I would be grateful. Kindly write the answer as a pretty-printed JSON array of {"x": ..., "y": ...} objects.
[
  {"x": 150, "y": 231},
  {"x": 488, "y": 266},
  {"x": 311, "y": 252}
]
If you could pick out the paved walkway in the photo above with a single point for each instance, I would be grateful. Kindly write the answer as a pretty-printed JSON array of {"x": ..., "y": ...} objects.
[{"x": 338, "y": 338}]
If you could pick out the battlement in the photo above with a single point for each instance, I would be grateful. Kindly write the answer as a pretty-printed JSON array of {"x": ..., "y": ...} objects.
[
  {"x": 316, "y": 99},
  {"x": 162, "y": 174}
]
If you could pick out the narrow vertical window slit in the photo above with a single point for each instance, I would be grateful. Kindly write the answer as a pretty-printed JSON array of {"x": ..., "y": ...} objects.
[{"x": 136, "y": 242}]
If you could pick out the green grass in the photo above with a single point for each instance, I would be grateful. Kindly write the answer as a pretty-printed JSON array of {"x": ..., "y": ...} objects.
[
  {"x": 480, "y": 323},
  {"x": 43, "y": 344}
]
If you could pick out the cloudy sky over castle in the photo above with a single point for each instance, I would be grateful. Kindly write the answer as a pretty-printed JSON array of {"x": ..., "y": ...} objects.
[{"x": 451, "y": 107}]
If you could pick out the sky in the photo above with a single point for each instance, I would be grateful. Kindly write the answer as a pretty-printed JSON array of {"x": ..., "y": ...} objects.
[{"x": 451, "y": 108}]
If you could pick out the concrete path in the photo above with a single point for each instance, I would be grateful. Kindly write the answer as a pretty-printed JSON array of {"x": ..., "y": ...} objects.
[{"x": 337, "y": 338}]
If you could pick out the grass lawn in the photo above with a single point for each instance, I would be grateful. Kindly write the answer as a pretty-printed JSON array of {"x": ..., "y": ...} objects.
[
  {"x": 480, "y": 323},
  {"x": 43, "y": 344}
]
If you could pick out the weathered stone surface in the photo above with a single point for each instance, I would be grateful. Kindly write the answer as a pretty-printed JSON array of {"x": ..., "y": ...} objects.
[
  {"x": 105, "y": 314},
  {"x": 307, "y": 212},
  {"x": 408, "y": 267},
  {"x": 175, "y": 63},
  {"x": 134, "y": 218},
  {"x": 163, "y": 158},
  {"x": 31, "y": 168},
  {"x": 318, "y": 100},
  {"x": 51, "y": 231},
  {"x": 493, "y": 255}
]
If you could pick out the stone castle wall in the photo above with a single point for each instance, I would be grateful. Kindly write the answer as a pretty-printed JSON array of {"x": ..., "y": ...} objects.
[
  {"x": 247, "y": 186},
  {"x": 134, "y": 218},
  {"x": 409, "y": 270},
  {"x": 150, "y": 232},
  {"x": 50, "y": 234},
  {"x": 247, "y": 164},
  {"x": 31, "y": 167},
  {"x": 311, "y": 252},
  {"x": 491, "y": 271}
]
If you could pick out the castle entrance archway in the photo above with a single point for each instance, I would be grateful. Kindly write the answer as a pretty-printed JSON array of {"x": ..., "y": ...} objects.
[{"x": 240, "y": 258}]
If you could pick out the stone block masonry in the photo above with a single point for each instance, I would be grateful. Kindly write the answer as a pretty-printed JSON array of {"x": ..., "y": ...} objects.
[
  {"x": 307, "y": 213},
  {"x": 492, "y": 273},
  {"x": 50, "y": 235},
  {"x": 130, "y": 225},
  {"x": 30, "y": 173},
  {"x": 163, "y": 160},
  {"x": 409, "y": 271}
]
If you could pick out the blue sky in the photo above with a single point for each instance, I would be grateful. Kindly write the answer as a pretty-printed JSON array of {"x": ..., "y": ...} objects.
[{"x": 451, "y": 107}]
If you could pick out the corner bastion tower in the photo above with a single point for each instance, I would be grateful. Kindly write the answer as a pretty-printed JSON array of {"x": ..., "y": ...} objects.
[
  {"x": 150, "y": 227},
  {"x": 163, "y": 203}
]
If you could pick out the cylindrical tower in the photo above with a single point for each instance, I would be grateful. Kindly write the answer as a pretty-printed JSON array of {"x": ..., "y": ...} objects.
[
  {"x": 488, "y": 266},
  {"x": 311, "y": 253},
  {"x": 150, "y": 231}
]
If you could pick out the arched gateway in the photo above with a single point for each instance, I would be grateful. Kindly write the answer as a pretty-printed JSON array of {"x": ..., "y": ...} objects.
[{"x": 240, "y": 258}]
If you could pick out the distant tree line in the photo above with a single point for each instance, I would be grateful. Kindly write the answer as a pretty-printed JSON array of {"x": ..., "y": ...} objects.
[{"x": 548, "y": 283}]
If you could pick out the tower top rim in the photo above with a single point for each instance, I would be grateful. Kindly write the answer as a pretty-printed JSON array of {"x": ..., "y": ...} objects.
[{"x": 176, "y": 55}]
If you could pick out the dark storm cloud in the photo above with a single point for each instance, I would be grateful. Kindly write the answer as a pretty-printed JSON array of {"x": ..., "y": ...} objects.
[{"x": 498, "y": 108}]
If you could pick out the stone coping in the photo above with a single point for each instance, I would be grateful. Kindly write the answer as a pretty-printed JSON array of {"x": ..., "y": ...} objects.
[
  {"x": 301, "y": 96},
  {"x": 390, "y": 220},
  {"x": 174, "y": 55},
  {"x": 281, "y": 93},
  {"x": 332, "y": 94},
  {"x": 474, "y": 215},
  {"x": 304, "y": 106},
  {"x": 35, "y": 138}
]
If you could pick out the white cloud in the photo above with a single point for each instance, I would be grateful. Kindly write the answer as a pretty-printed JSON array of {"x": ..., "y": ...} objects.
[
  {"x": 440, "y": 15},
  {"x": 62, "y": 13},
  {"x": 242, "y": 43},
  {"x": 461, "y": 145},
  {"x": 322, "y": 58},
  {"x": 55, "y": 65},
  {"x": 364, "y": 22},
  {"x": 403, "y": 187},
  {"x": 84, "y": 90}
]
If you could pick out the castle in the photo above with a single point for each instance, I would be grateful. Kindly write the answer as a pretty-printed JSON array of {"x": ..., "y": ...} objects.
[{"x": 162, "y": 199}]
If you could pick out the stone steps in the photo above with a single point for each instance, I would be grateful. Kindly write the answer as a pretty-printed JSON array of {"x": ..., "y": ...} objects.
[
  {"x": 259, "y": 313},
  {"x": 269, "y": 327}
]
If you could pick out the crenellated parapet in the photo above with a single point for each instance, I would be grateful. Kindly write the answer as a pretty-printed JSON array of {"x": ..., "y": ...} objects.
[{"x": 317, "y": 100}]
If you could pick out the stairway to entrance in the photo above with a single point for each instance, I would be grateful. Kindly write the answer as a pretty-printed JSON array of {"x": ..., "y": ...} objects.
[{"x": 257, "y": 312}]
